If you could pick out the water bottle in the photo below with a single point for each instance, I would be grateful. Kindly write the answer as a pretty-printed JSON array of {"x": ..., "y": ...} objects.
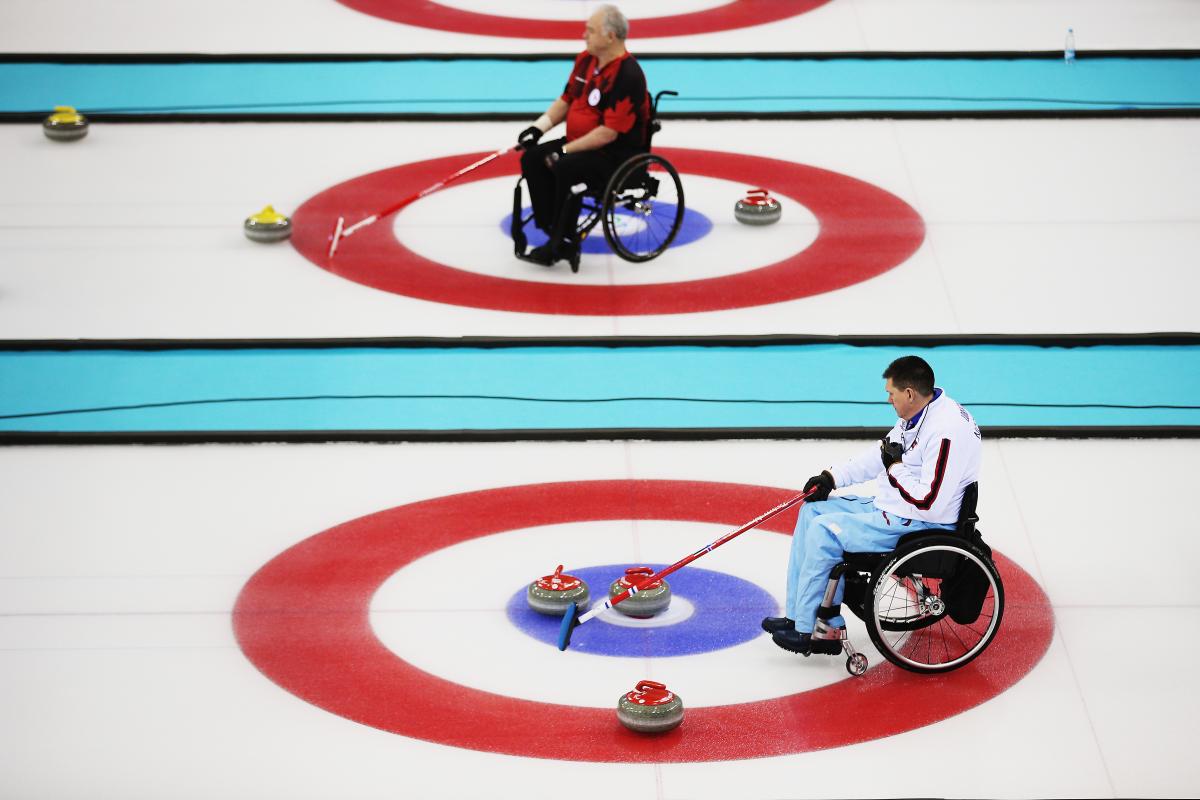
[{"x": 1069, "y": 47}]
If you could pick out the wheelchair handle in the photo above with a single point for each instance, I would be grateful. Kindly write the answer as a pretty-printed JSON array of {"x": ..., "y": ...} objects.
[{"x": 668, "y": 92}]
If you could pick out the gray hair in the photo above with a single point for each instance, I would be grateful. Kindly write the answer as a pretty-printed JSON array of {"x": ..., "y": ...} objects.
[{"x": 613, "y": 21}]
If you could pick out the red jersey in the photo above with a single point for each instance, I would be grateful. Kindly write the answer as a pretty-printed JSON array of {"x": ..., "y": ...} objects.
[{"x": 614, "y": 97}]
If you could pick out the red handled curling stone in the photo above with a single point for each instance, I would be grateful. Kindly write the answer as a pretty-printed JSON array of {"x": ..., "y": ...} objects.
[
  {"x": 650, "y": 708},
  {"x": 648, "y": 601},
  {"x": 757, "y": 208},
  {"x": 551, "y": 594}
]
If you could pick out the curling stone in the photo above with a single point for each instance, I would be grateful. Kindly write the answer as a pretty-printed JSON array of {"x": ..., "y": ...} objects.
[
  {"x": 65, "y": 125},
  {"x": 650, "y": 708},
  {"x": 648, "y": 601},
  {"x": 551, "y": 594},
  {"x": 267, "y": 225},
  {"x": 757, "y": 208}
]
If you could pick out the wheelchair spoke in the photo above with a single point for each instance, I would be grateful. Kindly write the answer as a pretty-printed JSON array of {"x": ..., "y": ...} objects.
[
  {"x": 912, "y": 623},
  {"x": 965, "y": 647}
]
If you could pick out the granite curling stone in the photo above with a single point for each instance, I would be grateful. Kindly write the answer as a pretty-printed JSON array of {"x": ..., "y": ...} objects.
[
  {"x": 552, "y": 594},
  {"x": 649, "y": 600},
  {"x": 757, "y": 208},
  {"x": 267, "y": 225},
  {"x": 65, "y": 125},
  {"x": 650, "y": 708}
]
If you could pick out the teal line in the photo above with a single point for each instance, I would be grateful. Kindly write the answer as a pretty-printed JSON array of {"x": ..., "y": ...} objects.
[
  {"x": 491, "y": 86},
  {"x": 582, "y": 387}
]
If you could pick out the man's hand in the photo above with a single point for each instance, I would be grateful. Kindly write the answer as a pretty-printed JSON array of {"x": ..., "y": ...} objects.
[
  {"x": 823, "y": 484},
  {"x": 529, "y": 136},
  {"x": 890, "y": 452},
  {"x": 552, "y": 158}
]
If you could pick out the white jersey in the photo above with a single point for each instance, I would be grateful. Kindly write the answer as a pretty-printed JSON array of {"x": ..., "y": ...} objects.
[{"x": 942, "y": 454}]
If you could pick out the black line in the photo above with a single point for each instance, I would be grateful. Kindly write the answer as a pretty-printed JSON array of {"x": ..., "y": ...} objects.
[
  {"x": 246, "y": 108},
  {"x": 570, "y": 52},
  {"x": 29, "y": 438},
  {"x": 1065, "y": 340},
  {"x": 23, "y": 118},
  {"x": 565, "y": 401}
]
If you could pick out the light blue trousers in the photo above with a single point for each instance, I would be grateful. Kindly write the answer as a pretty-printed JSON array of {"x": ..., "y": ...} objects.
[{"x": 824, "y": 531}]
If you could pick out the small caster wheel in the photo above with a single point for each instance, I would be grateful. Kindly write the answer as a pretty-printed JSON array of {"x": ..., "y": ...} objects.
[{"x": 856, "y": 664}]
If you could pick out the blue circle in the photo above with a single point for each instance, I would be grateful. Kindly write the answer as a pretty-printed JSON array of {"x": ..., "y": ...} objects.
[
  {"x": 728, "y": 611},
  {"x": 693, "y": 226}
]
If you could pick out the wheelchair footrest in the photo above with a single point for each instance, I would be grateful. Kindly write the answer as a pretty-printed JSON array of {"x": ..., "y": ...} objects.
[{"x": 826, "y": 647}]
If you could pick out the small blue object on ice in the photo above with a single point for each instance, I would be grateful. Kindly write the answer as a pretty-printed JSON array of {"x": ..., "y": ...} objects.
[{"x": 568, "y": 625}]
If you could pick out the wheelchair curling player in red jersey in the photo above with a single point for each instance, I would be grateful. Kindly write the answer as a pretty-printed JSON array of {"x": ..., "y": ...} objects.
[
  {"x": 606, "y": 107},
  {"x": 921, "y": 470}
]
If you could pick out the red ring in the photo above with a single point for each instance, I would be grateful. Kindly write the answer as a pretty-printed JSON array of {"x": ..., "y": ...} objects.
[
  {"x": 428, "y": 14},
  {"x": 303, "y": 620},
  {"x": 864, "y": 231}
]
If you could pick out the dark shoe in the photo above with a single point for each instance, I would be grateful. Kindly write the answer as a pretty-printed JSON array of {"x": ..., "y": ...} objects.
[
  {"x": 803, "y": 643},
  {"x": 568, "y": 251},
  {"x": 826, "y": 647},
  {"x": 794, "y": 641},
  {"x": 777, "y": 624},
  {"x": 542, "y": 254}
]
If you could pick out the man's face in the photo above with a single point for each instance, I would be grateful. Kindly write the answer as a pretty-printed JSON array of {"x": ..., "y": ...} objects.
[
  {"x": 598, "y": 40},
  {"x": 905, "y": 401}
]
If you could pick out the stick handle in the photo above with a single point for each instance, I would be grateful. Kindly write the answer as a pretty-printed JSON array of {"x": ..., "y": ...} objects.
[
  {"x": 362, "y": 223},
  {"x": 431, "y": 189},
  {"x": 760, "y": 519}
]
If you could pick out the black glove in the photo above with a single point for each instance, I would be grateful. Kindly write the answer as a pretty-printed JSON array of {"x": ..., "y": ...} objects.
[
  {"x": 529, "y": 137},
  {"x": 890, "y": 452},
  {"x": 552, "y": 157},
  {"x": 823, "y": 484}
]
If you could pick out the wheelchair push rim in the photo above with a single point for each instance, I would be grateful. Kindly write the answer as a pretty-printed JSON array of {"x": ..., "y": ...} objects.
[
  {"x": 910, "y": 623},
  {"x": 641, "y": 218}
]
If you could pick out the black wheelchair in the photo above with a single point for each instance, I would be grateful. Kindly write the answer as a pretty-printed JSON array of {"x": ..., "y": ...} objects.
[
  {"x": 641, "y": 208},
  {"x": 931, "y": 605}
]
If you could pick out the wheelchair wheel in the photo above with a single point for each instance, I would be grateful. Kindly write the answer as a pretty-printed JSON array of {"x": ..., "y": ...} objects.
[
  {"x": 643, "y": 208},
  {"x": 937, "y": 604}
]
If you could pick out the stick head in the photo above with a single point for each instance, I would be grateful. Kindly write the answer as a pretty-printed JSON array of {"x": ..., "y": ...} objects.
[
  {"x": 337, "y": 235},
  {"x": 570, "y": 622}
]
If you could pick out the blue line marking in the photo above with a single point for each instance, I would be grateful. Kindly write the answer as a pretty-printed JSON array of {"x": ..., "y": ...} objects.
[
  {"x": 746, "y": 85},
  {"x": 358, "y": 388}
]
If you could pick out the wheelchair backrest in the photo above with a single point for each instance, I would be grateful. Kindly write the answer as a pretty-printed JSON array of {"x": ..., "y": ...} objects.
[
  {"x": 967, "y": 515},
  {"x": 653, "y": 126}
]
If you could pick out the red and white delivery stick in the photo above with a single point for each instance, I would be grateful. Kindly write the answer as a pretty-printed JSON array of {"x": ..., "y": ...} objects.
[
  {"x": 342, "y": 231},
  {"x": 571, "y": 620}
]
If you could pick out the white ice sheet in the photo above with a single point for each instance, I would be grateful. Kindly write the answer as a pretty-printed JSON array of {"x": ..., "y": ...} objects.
[
  {"x": 1051, "y": 226},
  {"x": 324, "y": 26},
  {"x": 120, "y": 676}
]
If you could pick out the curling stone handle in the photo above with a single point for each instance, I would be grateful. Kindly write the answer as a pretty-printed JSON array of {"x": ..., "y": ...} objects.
[
  {"x": 763, "y": 192},
  {"x": 644, "y": 685},
  {"x": 639, "y": 571}
]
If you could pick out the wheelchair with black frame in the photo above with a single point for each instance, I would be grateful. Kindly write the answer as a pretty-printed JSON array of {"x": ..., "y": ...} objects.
[
  {"x": 640, "y": 209},
  {"x": 931, "y": 605}
]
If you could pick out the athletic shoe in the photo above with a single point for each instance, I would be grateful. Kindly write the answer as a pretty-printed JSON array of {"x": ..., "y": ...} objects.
[
  {"x": 803, "y": 643},
  {"x": 542, "y": 254},
  {"x": 777, "y": 624}
]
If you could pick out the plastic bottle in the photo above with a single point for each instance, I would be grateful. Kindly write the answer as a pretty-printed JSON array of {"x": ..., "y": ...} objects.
[{"x": 1069, "y": 47}]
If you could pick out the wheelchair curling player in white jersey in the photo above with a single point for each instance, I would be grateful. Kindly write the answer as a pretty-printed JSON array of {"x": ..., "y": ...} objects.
[{"x": 920, "y": 469}]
